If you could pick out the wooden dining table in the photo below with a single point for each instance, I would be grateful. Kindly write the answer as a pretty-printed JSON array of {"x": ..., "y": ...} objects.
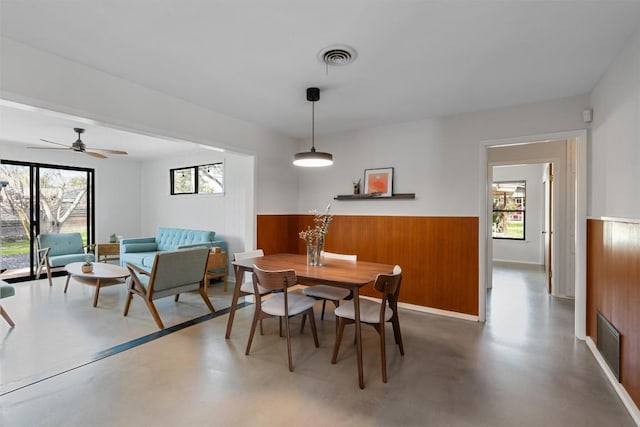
[{"x": 351, "y": 275}]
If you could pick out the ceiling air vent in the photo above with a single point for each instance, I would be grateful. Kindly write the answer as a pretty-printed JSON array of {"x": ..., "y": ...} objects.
[{"x": 337, "y": 55}]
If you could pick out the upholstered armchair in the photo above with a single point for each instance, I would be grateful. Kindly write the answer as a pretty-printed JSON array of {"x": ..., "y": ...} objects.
[
  {"x": 58, "y": 250},
  {"x": 173, "y": 273}
]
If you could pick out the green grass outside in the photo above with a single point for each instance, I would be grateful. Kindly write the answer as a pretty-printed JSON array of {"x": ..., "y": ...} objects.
[
  {"x": 514, "y": 230},
  {"x": 22, "y": 246},
  {"x": 14, "y": 248}
]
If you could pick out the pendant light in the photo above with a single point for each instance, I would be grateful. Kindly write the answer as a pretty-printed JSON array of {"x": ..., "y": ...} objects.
[{"x": 313, "y": 158}]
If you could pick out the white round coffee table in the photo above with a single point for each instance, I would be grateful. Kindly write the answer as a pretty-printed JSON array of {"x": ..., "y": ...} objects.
[{"x": 103, "y": 274}]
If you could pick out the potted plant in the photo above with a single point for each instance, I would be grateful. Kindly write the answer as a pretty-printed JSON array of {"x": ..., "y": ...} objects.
[
  {"x": 113, "y": 238},
  {"x": 87, "y": 266}
]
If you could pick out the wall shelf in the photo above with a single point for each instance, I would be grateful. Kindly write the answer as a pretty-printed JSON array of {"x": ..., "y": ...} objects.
[{"x": 371, "y": 197}]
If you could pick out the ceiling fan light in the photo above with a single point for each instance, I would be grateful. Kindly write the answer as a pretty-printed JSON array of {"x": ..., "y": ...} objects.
[{"x": 313, "y": 159}]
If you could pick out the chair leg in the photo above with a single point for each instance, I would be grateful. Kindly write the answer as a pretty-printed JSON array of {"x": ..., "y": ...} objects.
[
  {"x": 324, "y": 304},
  {"x": 175, "y": 299},
  {"x": 302, "y": 323},
  {"x": 312, "y": 322},
  {"x": 253, "y": 329},
  {"x": 4, "y": 314},
  {"x": 288, "y": 332},
  {"x": 336, "y": 346},
  {"x": 396, "y": 333},
  {"x": 383, "y": 353},
  {"x": 49, "y": 276},
  {"x": 128, "y": 303},
  {"x": 154, "y": 313},
  {"x": 205, "y": 297}
]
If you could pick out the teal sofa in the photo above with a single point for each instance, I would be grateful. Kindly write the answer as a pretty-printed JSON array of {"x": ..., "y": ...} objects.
[{"x": 141, "y": 251}]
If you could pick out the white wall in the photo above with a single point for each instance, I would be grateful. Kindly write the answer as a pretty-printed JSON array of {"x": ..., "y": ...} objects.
[
  {"x": 118, "y": 189},
  {"x": 40, "y": 79},
  {"x": 438, "y": 159},
  {"x": 229, "y": 215},
  {"x": 530, "y": 250},
  {"x": 615, "y": 139}
]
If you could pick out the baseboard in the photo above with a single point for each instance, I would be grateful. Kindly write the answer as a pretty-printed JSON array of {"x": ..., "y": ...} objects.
[
  {"x": 619, "y": 388},
  {"x": 438, "y": 311},
  {"x": 524, "y": 264},
  {"x": 431, "y": 310}
]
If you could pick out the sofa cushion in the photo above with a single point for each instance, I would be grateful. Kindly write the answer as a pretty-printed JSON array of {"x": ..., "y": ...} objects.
[
  {"x": 141, "y": 259},
  {"x": 169, "y": 239},
  {"x": 140, "y": 247},
  {"x": 62, "y": 260}
]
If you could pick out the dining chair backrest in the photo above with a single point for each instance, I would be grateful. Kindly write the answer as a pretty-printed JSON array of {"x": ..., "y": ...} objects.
[
  {"x": 249, "y": 254},
  {"x": 389, "y": 284},
  {"x": 274, "y": 280},
  {"x": 345, "y": 257}
]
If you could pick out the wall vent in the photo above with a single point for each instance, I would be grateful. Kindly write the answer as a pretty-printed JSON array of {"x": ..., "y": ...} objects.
[{"x": 608, "y": 343}]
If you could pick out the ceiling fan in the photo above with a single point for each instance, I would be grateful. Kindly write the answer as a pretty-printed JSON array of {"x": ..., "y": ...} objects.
[{"x": 80, "y": 147}]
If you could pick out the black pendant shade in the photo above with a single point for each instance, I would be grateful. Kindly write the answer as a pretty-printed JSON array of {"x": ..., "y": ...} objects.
[{"x": 313, "y": 158}]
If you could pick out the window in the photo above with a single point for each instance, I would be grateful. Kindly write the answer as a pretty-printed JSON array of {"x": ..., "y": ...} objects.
[
  {"x": 202, "y": 179},
  {"x": 509, "y": 201}
]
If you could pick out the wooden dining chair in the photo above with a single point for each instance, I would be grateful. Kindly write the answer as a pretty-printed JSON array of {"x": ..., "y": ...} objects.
[
  {"x": 245, "y": 288},
  {"x": 282, "y": 304},
  {"x": 375, "y": 314},
  {"x": 326, "y": 292}
]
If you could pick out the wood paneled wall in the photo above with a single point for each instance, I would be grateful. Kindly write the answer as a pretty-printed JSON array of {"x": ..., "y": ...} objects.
[
  {"x": 613, "y": 289},
  {"x": 438, "y": 255}
]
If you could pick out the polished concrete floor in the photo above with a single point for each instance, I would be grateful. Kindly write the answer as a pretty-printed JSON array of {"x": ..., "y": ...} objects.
[{"x": 521, "y": 368}]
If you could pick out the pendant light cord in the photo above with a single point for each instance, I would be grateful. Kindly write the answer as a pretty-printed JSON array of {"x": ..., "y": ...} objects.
[{"x": 313, "y": 126}]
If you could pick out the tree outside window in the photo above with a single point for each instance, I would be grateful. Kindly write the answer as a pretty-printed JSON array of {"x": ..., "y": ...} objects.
[
  {"x": 509, "y": 210},
  {"x": 202, "y": 179}
]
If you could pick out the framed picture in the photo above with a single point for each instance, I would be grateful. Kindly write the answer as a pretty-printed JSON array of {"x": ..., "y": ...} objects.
[{"x": 378, "y": 182}]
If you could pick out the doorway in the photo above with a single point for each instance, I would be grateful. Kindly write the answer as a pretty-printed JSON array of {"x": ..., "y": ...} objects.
[
  {"x": 575, "y": 230},
  {"x": 41, "y": 198}
]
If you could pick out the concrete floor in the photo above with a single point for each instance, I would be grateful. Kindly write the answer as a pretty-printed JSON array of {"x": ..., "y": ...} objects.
[{"x": 523, "y": 367}]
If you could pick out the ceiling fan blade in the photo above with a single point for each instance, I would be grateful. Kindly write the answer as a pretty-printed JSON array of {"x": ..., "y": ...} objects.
[
  {"x": 107, "y": 150},
  {"x": 94, "y": 154},
  {"x": 50, "y": 148},
  {"x": 57, "y": 143}
]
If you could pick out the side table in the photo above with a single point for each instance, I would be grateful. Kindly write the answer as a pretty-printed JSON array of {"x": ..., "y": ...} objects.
[
  {"x": 217, "y": 267},
  {"x": 106, "y": 252}
]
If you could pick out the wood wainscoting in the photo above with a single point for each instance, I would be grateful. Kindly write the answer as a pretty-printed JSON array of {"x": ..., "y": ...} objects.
[
  {"x": 613, "y": 289},
  {"x": 438, "y": 255}
]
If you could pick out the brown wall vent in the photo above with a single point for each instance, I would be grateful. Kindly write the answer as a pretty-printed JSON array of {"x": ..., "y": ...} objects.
[{"x": 608, "y": 343}]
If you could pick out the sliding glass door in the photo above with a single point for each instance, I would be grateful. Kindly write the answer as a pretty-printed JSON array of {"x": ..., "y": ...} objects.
[{"x": 39, "y": 198}]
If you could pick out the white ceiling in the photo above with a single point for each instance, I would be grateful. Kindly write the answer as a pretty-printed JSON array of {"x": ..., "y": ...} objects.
[{"x": 254, "y": 59}]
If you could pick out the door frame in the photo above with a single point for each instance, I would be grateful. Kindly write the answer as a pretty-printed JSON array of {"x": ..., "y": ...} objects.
[{"x": 484, "y": 232}]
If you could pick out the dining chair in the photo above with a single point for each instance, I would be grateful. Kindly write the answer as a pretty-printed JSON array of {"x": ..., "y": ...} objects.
[
  {"x": 326, "y": 292},
  {"x": 245, "y": 288},
  {"x": 281, "y": 304},
  {"x": 375, "y": 314}
]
